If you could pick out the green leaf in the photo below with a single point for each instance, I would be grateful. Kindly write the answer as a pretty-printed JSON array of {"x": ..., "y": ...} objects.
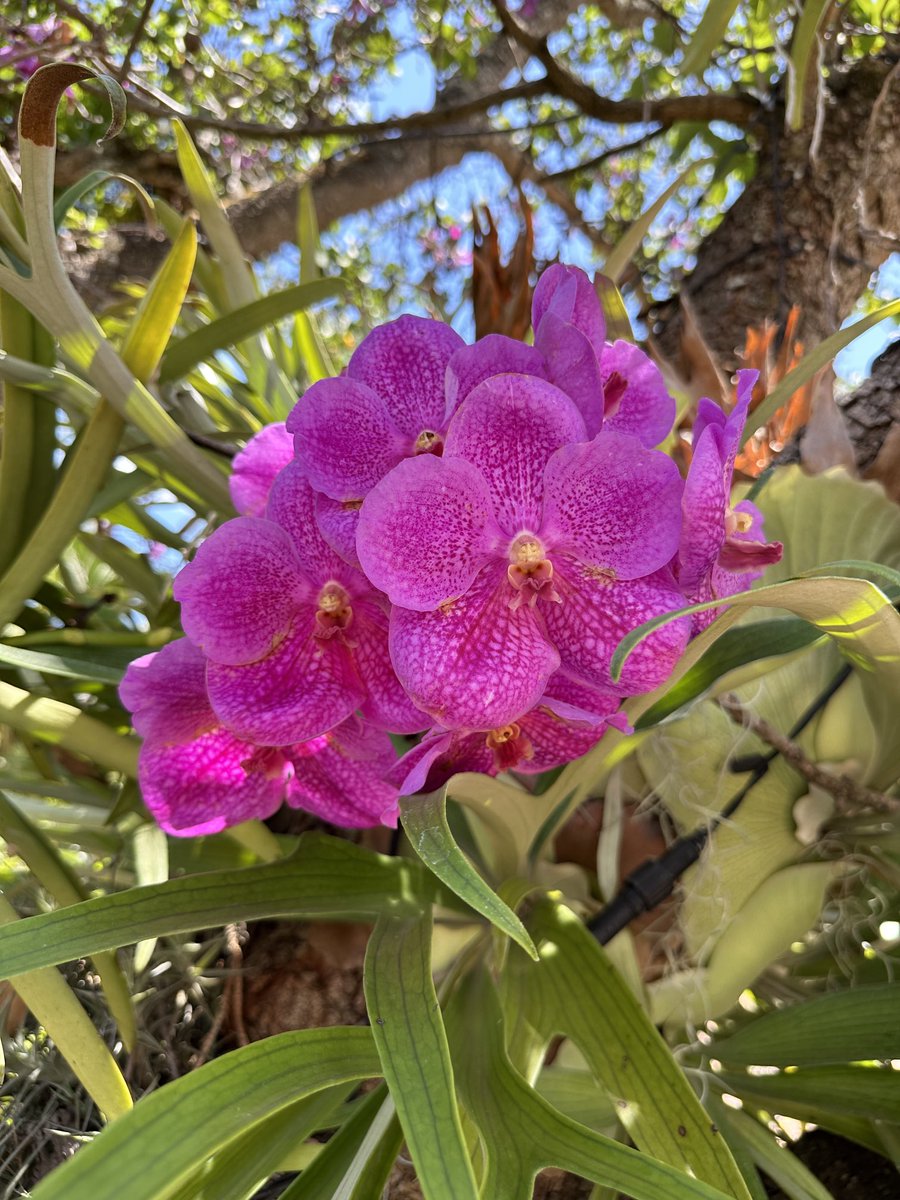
[
  {"x": 841, "y": 1027},
  {"x": 618, "y": 323},
  {"x": 56, "y": 1007},
  {"x": 360, "y": 1154},
  {"x": 425, "y": 822},
  {"x": 813, "y": 361},
  {"x": 630, "y": 241},
  {"x": 735, "y": 648},
  {"x": 72, "y": 666},
  {"x": 577, "y": 992},
  {"x": 783, "y": 1167},
  {"x": 707, "y": 37},
  {"x": 852, "y": 611},
  {"x": 409, "y": 1034},
  {"x": 148, "y": 1153},
  {"x": 853, "y": 1091},
  {"x": 153, "y": 322},
  {"x": 521, "y": 1132},
  {"x": 802, "y": 44},
  {"x": 150, "y": 851},
  {"x": 324, "y": 877},
  {"x": 186, "y": 352},
  {"x": 93, "y": 179}
]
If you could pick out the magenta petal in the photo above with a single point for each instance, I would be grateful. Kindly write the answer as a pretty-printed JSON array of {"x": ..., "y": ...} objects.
[
  {"x": 345, "y": 438},
  {"x": 201, "y": 786},
  {"x": 728, "y": 429},
  {"x": 386, "y": 705},
  {"x": 572, "y": 364},
  {"x": 438, "y": 757},
  {"x": 166, "y": 695},
  {"x": 704, "y": 505},
  {"x": 475, "y": 662},
  {"x": 255, "y": 467},
  {"x": 240, "y": 593},
  {"x": 568, "y": 293},
  {"x": 491, "y": 355},
  {"x": 426, "y": 530},
  {"x": 595, "y": 615},
  {"x": 637, "y": 400},
  {"x": 340, "y": 778},
  {"x": 405, "y": 362},
  {"x": 554, "y": 741},
  {"x": 292, "y": 506},
  {"x": 300, "y": 691},
  {"x": 338, "y": 523},
  {"x": 614, "y": 504},
  {"x": 509, "y": 426}
]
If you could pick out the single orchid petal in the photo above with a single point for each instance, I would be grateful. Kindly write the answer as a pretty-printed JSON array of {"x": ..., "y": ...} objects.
[
  {"x": 439, "y": 756},
  {"x": 292, "y": 507},
  {"x": 636, "y": 399},
  {"x": 578, "y": 703},
  {"x": 338, "y": 521},
  {"x": 554, "y": 741},
  {"x": 405, "y": 362},
  {"x": 730, "y": 428},
  {"x": 340, "y": 778},
  {"x": 255, "y": 467},
  {"x": 614, "y": 504},
  {"x": 298, "y": 692},
  {"x": 491, "y": 355},
  {"x": 568, "y": 293},
  {"x": 345, "y": 438},
  {"x": 165, "y": 692},
  {"x": 594, "y": 616},
  {"x": 242, "y": 590},
  {"x": 203, "y": 786},
  {"x": 426, "y": 530},
  {"x": 572, "y": 365},
  {"x": 477, "y": 662},
  {"x": 508, "y": 427},
  {"x": 386, "y": 705}
]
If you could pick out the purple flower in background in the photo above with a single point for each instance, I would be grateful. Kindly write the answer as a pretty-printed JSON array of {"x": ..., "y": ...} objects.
[
  {"x": 568, "y": 720},
  {"x": 296, "y": 638},
  {"x": 197, "y": 778},
  {"x": 615, "y": 385},
  {"x": 524, "y": 547},
  {"x": 723, "y": 549},
  {"x": 254, "y": 469}
]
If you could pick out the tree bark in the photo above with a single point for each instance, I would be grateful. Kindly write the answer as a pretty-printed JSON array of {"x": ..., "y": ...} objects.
[{"x": 810, "y": 228}]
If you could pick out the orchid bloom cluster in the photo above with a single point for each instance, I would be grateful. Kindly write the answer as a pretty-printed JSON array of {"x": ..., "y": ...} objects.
[{"x": 447, "y": 541}]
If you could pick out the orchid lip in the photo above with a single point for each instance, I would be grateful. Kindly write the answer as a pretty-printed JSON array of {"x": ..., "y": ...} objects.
[
  {"x": 529, "y": 567},
  {"x": 333, "y": 611},
  {"x": 429, "y": 442}
]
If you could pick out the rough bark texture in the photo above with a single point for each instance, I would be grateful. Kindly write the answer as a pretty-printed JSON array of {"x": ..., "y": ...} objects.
[{"x": 807, "y": 230}]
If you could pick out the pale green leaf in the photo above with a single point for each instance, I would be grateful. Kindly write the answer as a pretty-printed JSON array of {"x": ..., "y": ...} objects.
[
  {"x": 425, "y": 822},
  {"x": 409, "y": 1034},
  {"x": 707, "y": 37},
  {"x": 802, "y": 45},
  {"x": 153, "y": 322}
]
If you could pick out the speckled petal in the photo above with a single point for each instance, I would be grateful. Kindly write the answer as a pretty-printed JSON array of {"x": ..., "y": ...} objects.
[
  {"x": 405, "y": 362},
  {"x": 345, "y": 438},
  {"x": 509, "y": 427},
  {"x": 614, "y": 504},
  {"x": 491, "y": 355},
  {"x": 635, "y": 395},
  {"x": 337, "y": 523},
  {"x": 438, "y": 757},
  {"x": 477, "y": 662},
  {"x": 166, "y": 695},
  {"x": 255, "y": 467},
  {"x": 569, "y": 294},
  {"x": 426, "y": 530},
  {"x": 341, "y": 778},
  {"x": 554, "y": 741},
  {"x": 300, "y": 691},
  {"x": 386, "y": 705},
  {"x": 292, "y": 507},
  {"x": 572, "y": 364},
  {"x": 704, "y": 504},
  {"x": 201, "y": 787},
  {"x": 241, "y": 592},
  {"x": 596, "y": 614}
]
